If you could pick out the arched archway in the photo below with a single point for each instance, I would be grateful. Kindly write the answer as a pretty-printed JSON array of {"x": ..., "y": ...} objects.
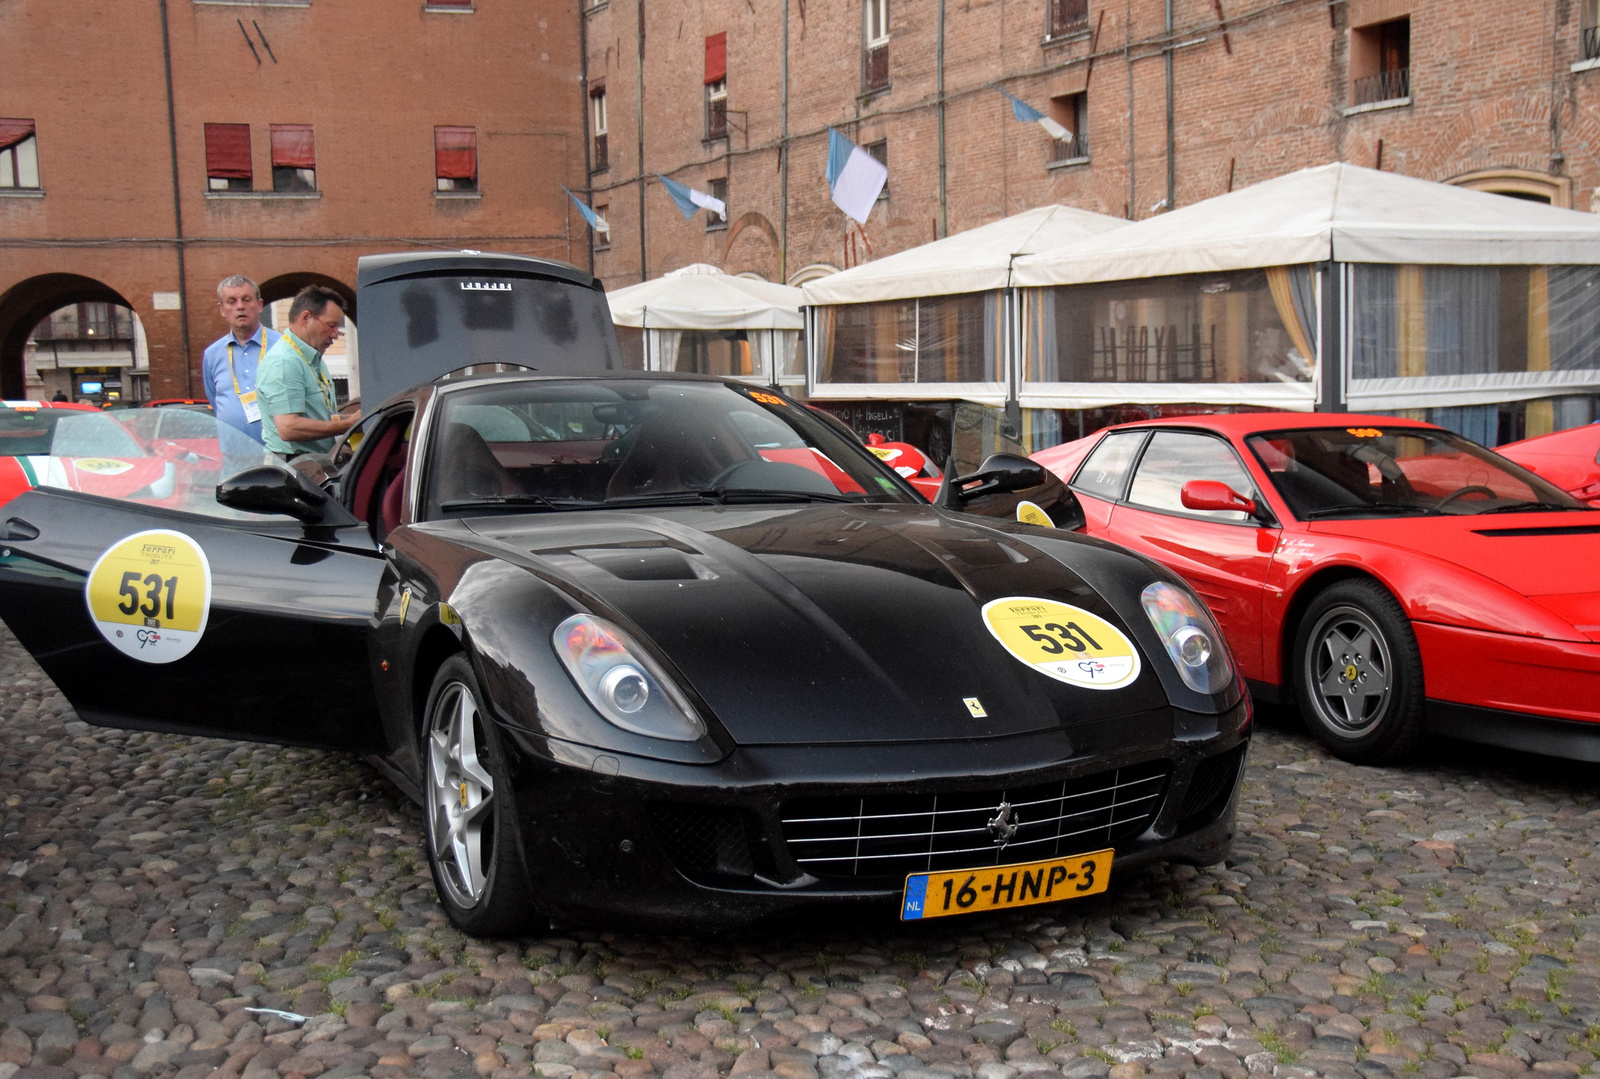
[
  {"x": 284, "y": 286},
  {"x": 25, "y": 304},
  {"x": 1519, "y": 184},
  {"x": 342, "y": 356}
]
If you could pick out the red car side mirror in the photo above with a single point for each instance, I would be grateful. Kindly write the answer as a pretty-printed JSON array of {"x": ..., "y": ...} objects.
[{"x": 1213, "y": 495}]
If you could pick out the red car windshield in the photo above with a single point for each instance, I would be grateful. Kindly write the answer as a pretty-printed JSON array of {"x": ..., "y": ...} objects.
[{"x": 1396, "y": 472}]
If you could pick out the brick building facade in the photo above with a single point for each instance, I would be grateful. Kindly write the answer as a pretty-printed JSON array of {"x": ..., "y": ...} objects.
[
  {"x": 1229, "y": 92},
  {"x": 335, "y": 130}
]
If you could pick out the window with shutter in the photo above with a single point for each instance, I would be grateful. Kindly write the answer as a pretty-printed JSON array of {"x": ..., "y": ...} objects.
[
  {"x": 228, "y": 157},
  {"x": 294, "y": 158},
  {"x": 455, "y": 156},
  {"x": 19, "y": 154}
]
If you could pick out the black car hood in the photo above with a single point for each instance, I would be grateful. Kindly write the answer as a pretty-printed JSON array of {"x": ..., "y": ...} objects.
[{"x": 829, "y": 623}]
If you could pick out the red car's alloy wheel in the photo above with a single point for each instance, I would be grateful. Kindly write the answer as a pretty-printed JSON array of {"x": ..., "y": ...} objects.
[
  {"x": 1359, "y": 673},
  {"x": 1350, "y": 667}
]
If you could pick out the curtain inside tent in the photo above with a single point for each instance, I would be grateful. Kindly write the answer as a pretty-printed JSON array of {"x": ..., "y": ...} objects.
[
  {"x": 726, "y": 353},
  {"x": 777, "y": 354},
  {"x": 664, "y": 349},
  {"x": 935, "y": 339},
  {"x": 1194, "y": 328},
  {"x": 1423, "y": 321}
]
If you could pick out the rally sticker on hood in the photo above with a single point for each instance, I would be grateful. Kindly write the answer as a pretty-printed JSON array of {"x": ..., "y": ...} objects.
[
  {"x": 1063, "y": 642},
  {"x": 150, "y": 595},
  {"x": 102, "y": 466}
]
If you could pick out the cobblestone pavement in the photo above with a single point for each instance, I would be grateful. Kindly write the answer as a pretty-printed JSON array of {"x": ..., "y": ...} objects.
[{"x": 156, "y": 893}]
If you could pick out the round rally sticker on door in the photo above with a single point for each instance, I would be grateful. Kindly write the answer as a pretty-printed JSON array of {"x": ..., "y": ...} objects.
[
  {"x": 150, "y": 595},
  {"x": 1063, "y": 642}
]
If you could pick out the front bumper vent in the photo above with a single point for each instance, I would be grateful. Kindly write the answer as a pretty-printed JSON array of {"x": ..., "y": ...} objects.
[{"x": 890, "y": 835}]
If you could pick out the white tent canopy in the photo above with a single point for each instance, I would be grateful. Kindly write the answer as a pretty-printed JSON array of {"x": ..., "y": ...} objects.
[
  {"x": 977, "y": 260},
  {"x": 702, "y": 297},
  {"x": 1341, "y": 212}
]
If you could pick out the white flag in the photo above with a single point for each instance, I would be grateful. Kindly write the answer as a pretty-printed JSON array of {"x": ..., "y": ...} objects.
[{"x": 855, "y": 177}]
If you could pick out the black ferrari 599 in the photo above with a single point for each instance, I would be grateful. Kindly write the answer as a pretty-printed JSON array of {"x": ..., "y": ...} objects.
[{"x": 661, "y": 647}]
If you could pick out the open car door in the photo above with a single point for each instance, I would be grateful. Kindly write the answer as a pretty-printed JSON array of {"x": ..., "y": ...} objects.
[{"x": 193, "y": 618}]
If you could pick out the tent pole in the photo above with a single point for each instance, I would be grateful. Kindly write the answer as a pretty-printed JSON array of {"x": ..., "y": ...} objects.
[{"x": 1330, "y": 344}]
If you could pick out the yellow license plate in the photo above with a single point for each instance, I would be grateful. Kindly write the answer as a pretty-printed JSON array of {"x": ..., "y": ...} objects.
[{"x": 969, "y": 891}]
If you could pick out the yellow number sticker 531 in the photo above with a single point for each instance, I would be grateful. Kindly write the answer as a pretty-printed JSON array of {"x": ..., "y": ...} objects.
[
  {"x": 150, "y": 595},
  {"x": 1063, "y": 642}
]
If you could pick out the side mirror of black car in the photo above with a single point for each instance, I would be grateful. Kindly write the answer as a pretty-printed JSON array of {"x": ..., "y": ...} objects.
[
  {"x": 1000, "y": 473},
  {"x": 276, "y": 489}
]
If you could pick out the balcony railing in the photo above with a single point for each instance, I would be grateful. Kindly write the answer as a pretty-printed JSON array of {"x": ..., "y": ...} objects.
[
  {"x": 1072, "y": 149},
  {"x": 1591, "y": 42},
  {"x": 1384, "y": 86},
  {"x": 1067, "y": 16},
  {"x": 602, "y": 158},
  {"x": 876, "y": 75}
]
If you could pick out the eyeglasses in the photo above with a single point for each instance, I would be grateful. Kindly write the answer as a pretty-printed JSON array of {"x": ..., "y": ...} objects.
[{"x": 337, "y": 329}]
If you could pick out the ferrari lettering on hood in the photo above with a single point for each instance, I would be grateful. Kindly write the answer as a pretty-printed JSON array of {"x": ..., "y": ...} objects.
[{"x": 1063, "y": 642}]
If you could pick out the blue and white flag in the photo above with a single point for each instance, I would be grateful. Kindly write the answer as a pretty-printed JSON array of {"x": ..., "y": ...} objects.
[
  {"x": 1027, "y": 114},
  {"x": 854, "y": 176},
  {"x": 690, "y": 201},
  {"x": 596, "y": 222}
]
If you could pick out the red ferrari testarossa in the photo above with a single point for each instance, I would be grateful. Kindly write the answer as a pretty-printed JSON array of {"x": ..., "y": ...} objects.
[{"x": 1389, "y": 577}]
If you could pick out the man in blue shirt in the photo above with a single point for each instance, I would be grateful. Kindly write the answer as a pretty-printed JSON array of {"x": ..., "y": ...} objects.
[{"x": 229, "y": 367}]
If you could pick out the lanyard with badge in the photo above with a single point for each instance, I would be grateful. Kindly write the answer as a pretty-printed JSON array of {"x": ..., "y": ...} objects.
[
  {"x": 247, "y": 398},
  {"x": 323, "y": 383}
]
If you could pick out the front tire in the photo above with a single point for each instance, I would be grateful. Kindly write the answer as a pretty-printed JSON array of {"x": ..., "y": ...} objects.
[
  {"x": 470, "y": 811},
  {"x": 1358, "y": 674}
]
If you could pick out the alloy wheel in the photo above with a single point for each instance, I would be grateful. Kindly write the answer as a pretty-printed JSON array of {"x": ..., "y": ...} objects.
[
  {"x": 1350, "y": 672},
  {"x": 460, "y": 795}
]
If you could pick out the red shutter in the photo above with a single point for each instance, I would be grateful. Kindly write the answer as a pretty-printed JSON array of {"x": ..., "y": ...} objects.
[
  {"x": 455, "y": 153},
  {"x": 716, "y": 57},
  {"x": 228, "y": 151},
  {"x": 293, "y": 147},
  {"x": 14, "y": 131}
]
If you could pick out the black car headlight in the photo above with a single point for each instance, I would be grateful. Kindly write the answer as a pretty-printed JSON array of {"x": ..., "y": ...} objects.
[
  {"x": 1191, "y": 637},
  {"x": 622, "y": 683}
]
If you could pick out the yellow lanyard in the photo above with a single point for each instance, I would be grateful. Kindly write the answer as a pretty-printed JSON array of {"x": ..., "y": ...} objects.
[
  {"x": 322, "y": 380},
  {"x": 231, "y": 370}
]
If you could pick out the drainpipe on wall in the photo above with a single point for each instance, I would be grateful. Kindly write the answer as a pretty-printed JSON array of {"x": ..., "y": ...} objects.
[
  {"x": 583, "y": 103},
  {"x": 944, "y": 203},
  {"x": 177, "y": 206},
  {"x": 639, "y": 103},
  {"x": 783, "y": 157},
  {"x": 1172, "y": 163}
]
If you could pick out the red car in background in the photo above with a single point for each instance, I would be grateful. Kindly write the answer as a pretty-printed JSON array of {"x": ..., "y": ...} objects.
[
  {"x": 1569, "y": 459},
  {"x": 1391, "y": 578},
  {"x": 159, "y": 456}
]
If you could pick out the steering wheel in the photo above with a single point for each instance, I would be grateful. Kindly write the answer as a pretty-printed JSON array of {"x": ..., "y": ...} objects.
[{"x": 1469, "y": 489}]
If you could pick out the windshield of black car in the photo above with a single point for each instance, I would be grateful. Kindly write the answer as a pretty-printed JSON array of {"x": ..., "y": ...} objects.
[
  {"x": 547, "y": 444},
  {"x": 1396, "y": 471}
]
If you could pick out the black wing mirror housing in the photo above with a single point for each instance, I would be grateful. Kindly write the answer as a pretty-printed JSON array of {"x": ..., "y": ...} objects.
[
  {"x": 281, "y": 490},
  {"x": 1000, "y": 473}
]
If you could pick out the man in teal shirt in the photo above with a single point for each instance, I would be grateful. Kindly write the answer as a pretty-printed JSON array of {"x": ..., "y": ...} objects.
[{"x": 292, "y": 383}]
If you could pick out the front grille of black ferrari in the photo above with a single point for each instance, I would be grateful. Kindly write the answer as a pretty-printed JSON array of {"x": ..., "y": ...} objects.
[
  {"x": 1210, "y": 788},
  {"x": 889, "y": 835}
]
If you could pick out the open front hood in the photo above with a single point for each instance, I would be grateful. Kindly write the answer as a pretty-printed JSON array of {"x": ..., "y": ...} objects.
[{"x": 830, "y": 624}]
